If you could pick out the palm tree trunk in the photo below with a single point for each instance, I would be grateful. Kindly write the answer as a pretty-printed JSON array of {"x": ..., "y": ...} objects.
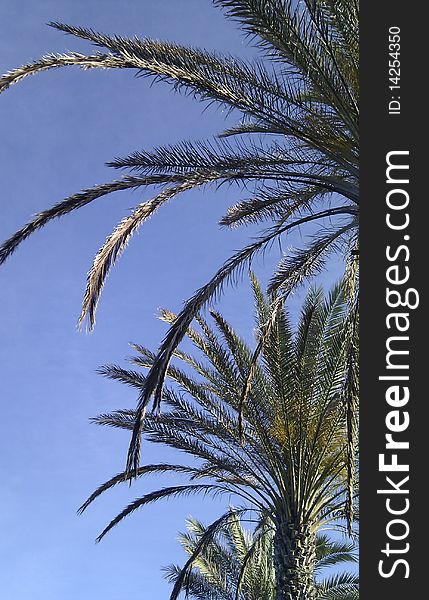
[{"x": 294, "y": 560}]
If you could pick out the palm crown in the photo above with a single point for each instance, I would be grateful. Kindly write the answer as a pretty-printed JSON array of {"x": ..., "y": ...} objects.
[
  {"x": 238, "y": 565},
  {"x": 292, "y": 462},
  {"x": 297, "y": 140}
]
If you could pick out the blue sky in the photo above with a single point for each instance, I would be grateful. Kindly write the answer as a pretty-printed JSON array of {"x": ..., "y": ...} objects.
[{"x": 57, "y": 131}]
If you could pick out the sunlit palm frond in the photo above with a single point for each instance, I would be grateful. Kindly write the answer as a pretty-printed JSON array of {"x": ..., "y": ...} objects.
[
  {"x": 237, "y": 563},
  {"x": 291, "y": 465}
]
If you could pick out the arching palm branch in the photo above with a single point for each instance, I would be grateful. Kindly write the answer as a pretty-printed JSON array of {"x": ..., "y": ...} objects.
[
  {"x": 238, "y": 565},
  {"x": 291, "y": 463},
  {"x": 296, "y": 139}
]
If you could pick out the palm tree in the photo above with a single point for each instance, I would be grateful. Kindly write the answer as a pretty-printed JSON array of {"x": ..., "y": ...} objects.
[
  {"x": 290, "y": 461},
  {"x": 296, "y": 139},
  {"x": 238, "y": 565}
]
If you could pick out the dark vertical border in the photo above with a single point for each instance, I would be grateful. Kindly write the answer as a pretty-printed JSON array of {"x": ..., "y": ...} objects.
[{"x": 381, "y": 133}]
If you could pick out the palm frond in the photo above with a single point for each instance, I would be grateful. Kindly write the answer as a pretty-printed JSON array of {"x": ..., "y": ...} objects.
[
  {"x": 54, "y": 61},
  {"x": 302, "y": 38},
  {"x": 122, "y": 477},
  {"x": 343, "y": 586},
  {"x": 118, "y": 240},
  {"x": 307, "y": 262},
  {"x": 205, "y": 539},
  {"x": 167, "y": 492},
  {"x": 68, "y": 205}
]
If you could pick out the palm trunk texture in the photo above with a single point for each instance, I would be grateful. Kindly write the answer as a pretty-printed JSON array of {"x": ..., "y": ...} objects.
[{"x": 294, "y": 561}]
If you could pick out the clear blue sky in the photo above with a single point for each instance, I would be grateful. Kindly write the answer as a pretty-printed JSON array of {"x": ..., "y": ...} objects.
[{"x": 57, "y": 131}]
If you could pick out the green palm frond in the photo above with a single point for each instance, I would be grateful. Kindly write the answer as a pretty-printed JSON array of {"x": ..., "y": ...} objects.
[
  {"x": 201, "y": 545},
  {"x": 344, "y": 586},
  {"x": 312, "y": 38},
  {"x": 291, "y": 466},
  {"x": 237, "y": 563},
  {"x": 132, "y": 378},
  {"x": 163, "y": 493},
  {"x": 230, "y": 270},
  {"x": 331, "y": 552},
  {"x": 122, "y": 477}
]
